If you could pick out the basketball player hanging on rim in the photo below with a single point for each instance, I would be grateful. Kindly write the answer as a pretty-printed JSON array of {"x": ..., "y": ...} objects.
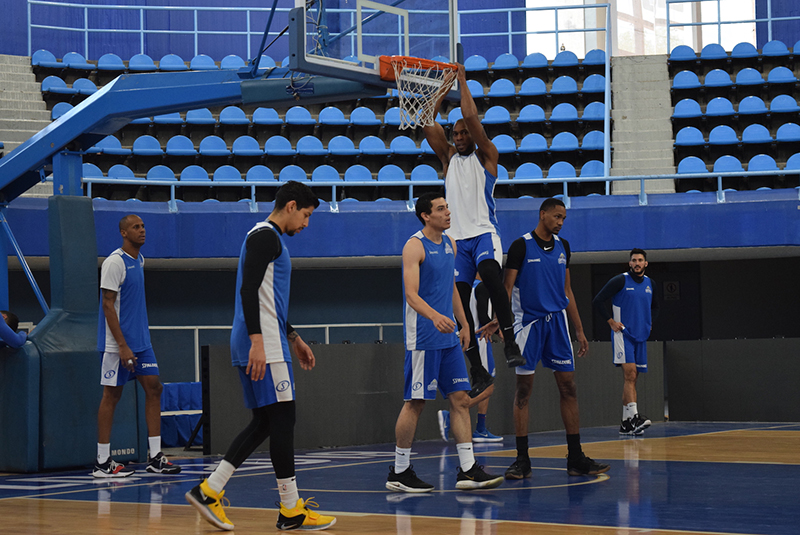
[{"x": 470, "y": 176}]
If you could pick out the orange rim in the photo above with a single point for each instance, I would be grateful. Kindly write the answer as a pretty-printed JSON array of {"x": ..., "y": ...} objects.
[{"x": 387, "y": 65}]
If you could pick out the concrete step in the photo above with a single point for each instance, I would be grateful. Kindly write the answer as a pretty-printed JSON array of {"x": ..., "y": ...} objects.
[
  {"x": 646, "y": 145},
  {"x": 632, "y": 187},
  {"x": 6, "y": 59},
  {"x": 16, "y": 135},
  {"x": 30, "y": 115},
  {"x": 643, "y": 167},
  {"x": 21, "y": 86},
  {"x": 662, "y": 112},
  {"x": 42, "y": 189},
  {"x": 633, "y": 135},
  {"x": 19, "y": 104},
  {"x": 11, "y": 69},
  {"x": 21, "y": 96}
]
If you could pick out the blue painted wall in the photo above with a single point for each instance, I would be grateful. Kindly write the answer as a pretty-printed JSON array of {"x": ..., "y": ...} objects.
[{"x": 786, "y": 31}]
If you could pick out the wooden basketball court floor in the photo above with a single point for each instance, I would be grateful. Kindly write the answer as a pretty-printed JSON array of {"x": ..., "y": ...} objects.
[{"x": 678, "y": 478}]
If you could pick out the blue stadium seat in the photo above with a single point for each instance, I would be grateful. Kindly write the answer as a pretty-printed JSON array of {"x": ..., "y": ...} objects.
[
  {"x": 246, "y": 152},
  {"x": 780, "y": 80},
  {"x": 565, "y": 62},
  {"x": 454, "y": 115},
  {"x": 593, "y": 88},
  {"x": 528, "y": 171},
  {"x": 744, "y": 54},
  {"x": 717, "y": 83},
  {"x": 141, "y": 63},
  {"x": 232, "y": 123},
  {"x": 561, "y": 170},
  {"x": 713, "y": 53},
  {"x": 534, "y": 64},
  {"x": 227, "y": 173},
  {"x": 195, "y": 173},
  {"x": 531, "y": 119},
  {"x": 683, "y": 57},
  {"x": 762, "y": 162},
  {"x": 167, "y": 125},
  {"x": 594, "y": 114},
  {"x": 259, "y": 173},
  {"x": 593, "y": 141},
  {"x": 719, "y": 111},
  {"x": 44, "y": 60},
  {"x": 199, "y": 124},
  {"x": 564, "y": 117},
  {"x": 502, "y": 93},
  {"x": 691, "y": 164},
  {"x": 55, "y": 88},
  {"x": 202, "y": 62},
  {"x": 292, "y": 172},
  {"x": 279, "y": 153},
  {"x": 788, "y": 132},
  {"x": 325, "y": 173},
  {"x": 374, "y": 153},
  {"x": 111, "y": 145},
  {"x": 180, "y": 152},
  {"x": 232, "y": 61},
  {"x": 793, "y": 163},
  {"x": 213, "y": 152},
  {"x": 424, "y": 172},
  {"x": 722, "y": 135},
  {"x": 564, "y": 89},
  {"x": 687, "y": 112},
  {"x": 266, "y": 123},
  {"x": 160, "y": 172},
  {"x": 299, "y": 123},
  {"x": 533, "y": 147},
  {"x": 310, "y": 153},
  {"x": 357, "y": 173},
  {"x": 727, "y": 164},
  {"x": 565, "y": 142},
  {"x": 689, "y": 141},
  {"x": 342, "y": 153},
  {"x": 505, "y": 66},
  {"x": 391, "y": 124},
  {"x": 496, "y": 121},
  {"x": 592, "y": 168},
  {"x": 89, "y": 170},
  {"x": 405, "y": 153},
  {"x": 173, "y": 63},
  {"x": 685, "y": 84},
  {"x": 775, "y": 49},
  {"x": 755, "y": 140},
  {"x": 751, "y": 110},
  {"x": 532, "y": 91},
  {"x": 749, "y": 82},
  {"x": 507, "y": 148},
  {"x": 76, "y": 61},
  {"x": 59, "y": 109},
  {"x": 84, "y": 87},
  {"x": 477, "y": 68},
  {"x": 332, "y": 123},
  {"x": 147, "y": 146},
  {"x": 363, "y": 122},
  {"x": 784, "y": 104},
  {"x": 266, "y": 62},
  {"x": 109, "y": 66},
  {"x": 123, "y": 174},
  {"x": 391, "y": 173},
  {"x": 594, "y": 62}
]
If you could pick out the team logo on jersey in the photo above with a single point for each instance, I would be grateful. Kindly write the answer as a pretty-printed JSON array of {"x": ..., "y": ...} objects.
[
  {"x": 648, "y": 290},
  {"x": 534, "y": 260},
  {"x": 448, "y": 249},
  {"x": 416, "y": 386},
  {"x": 433, "y": 386},
  {"x": 282, "y": 386},
  {"x": 620, "y": 355},
  {"x": 483, "y": 254},
  {"x": 433, "y": 252},
  {"x": 109, "y": 374},
  {"x": 460, "y": 380},
  {"x": 149, "y": 365},
  {"x": 562, "y": 258}
]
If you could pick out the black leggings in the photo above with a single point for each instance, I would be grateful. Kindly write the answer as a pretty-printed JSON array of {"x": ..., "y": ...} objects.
[
  {"x": 275, "y": 421},
  {"x": 492, "y": 276}
]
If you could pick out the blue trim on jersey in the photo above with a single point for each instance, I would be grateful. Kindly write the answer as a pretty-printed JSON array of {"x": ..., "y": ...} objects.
[
  {"x": 488, "y": 192},
  {"x": 539, "y": 288},
  {"x": 547, "y": 339},
  {"x": 131, "y": 306},
  {"x": 634, "y": 302}
]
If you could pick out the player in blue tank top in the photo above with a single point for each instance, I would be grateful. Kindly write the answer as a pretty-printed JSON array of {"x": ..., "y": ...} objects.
[
  {"x": 123, "y": 340},
  {"x": 260, "y": 341},
  {"x": 633, "y": 308},
  {"x": 470, "y": 176},
  {"x": 433, "y": 359},
  {"x": 537, "y": 275}
]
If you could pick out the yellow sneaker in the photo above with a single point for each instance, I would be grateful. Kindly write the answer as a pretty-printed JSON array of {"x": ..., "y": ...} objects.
[
  {"x": 209, "y": 504},
  {"x": 302, "y": 518}
]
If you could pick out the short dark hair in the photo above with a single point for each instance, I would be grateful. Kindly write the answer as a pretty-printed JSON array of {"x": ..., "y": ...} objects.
[
  {"x": 297, "y": 192},
  {"x": 425, "y": 203},
  {"x": 550, "y": 203},
  {"x": 11, "y": 320},
  {"x": 123, "y": 223},
  {"x": 636, "y": 250}
]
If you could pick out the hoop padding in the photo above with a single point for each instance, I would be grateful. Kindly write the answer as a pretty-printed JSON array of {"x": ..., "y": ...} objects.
[{"x": 420, "y": 85}]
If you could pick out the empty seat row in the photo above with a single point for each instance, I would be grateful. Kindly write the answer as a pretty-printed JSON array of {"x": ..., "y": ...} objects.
[
  {"x": 509, "y": 66},
  {"x": 731, "y": 164},
  {"x": 747, "y": 82},
  {"x": 742, "y": 55},
  {"x": 782, "y": 108},
  {"x": 723, "y": 139}
]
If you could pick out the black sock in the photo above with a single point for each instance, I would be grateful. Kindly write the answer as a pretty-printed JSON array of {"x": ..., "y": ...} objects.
[
  {"x": 508, "y": 335},
  {"x": 574, "y": 450},
  {"x": 474, "y": 357},
  {"x": 522, "y": 447}
]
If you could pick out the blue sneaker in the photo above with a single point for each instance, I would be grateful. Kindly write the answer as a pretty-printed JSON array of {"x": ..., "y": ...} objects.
[
  {"x": 485, "y": 436},
  {"x": 444, "y": 424}
]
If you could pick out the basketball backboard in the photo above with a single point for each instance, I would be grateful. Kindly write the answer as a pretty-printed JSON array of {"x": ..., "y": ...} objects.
[{"x": 343, "y": 38}]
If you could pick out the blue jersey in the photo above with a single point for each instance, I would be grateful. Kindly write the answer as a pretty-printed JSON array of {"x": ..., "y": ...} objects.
[
  {"x": 273, "y": 305},
  {"x": 539, "y": 288},
  {"x": 123, "y": 274},
  {"x": 436, "y": 279},
  {"x": 632, "y": 306}
]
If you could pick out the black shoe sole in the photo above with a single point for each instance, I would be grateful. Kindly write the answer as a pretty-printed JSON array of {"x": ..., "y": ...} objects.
[
  {"x": 514, "y": 362},
  {"x": 573, "y": 472},
  {"x": 516, "y": 476}
]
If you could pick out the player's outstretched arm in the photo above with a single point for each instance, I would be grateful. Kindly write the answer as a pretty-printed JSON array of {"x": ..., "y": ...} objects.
[
  {"x": 438, "y": 140},
  {"x": 487, "y": 152}
]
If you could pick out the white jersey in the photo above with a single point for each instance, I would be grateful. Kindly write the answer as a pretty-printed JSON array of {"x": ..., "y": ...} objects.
[{"x": 469, "y": 189}]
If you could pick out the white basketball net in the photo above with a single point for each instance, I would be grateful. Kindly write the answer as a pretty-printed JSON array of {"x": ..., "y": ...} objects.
[{"x": 419, "y": 90}]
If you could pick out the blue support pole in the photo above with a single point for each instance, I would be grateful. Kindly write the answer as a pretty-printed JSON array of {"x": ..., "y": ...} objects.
[
  {"x": 4, "y": 273},
  {"x": 3, "y": 266},
  {"x": 67, "y": 170}
]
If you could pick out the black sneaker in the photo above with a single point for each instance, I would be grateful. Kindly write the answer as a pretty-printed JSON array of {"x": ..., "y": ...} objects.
[
  {"x": 160, "y": 465},
  {"x": 585, "y": 467},
  {"x": 640, "y": 423},
  {"x": 406, "y": 481},
  {"x": 514, "y": 357},
  {"x": 626, "y": 427},
  {"x": 519, "y": 470},
  {"x": 481, "y": 380},
  {"x": 476, "y": 478},
  {"x": 111, "y": 468}
]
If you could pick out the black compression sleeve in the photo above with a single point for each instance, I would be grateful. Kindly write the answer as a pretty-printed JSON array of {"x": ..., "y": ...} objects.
[
  {"x": 611, "y": 289},
  {"x": 567, "y": 250},
  {"x": 262, "y": 247},
  {"x": 516, "y": 254},
  {"x": 482, "y": 297}
]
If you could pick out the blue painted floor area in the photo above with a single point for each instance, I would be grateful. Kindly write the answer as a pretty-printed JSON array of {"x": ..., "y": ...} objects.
[{"x": 689, "y": 494}]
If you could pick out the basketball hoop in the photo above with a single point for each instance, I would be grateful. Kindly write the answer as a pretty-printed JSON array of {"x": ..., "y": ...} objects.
[{"x": 420, "y": 84}]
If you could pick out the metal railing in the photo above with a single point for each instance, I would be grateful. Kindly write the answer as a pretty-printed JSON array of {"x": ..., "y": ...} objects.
[{"x": 325, "y": 326}]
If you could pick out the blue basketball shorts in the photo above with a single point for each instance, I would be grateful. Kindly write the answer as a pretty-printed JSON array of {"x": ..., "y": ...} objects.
[
  {"x": 628, "y": 350},
  {"x": 113, "y": 373},
  {"x": 546, "y": 339},
  {"x": 487, "y": 359},
  {"x": 277, "y": 385},
  {"x": 429, "y": 370},
  {"x": 472, "y": 251}
]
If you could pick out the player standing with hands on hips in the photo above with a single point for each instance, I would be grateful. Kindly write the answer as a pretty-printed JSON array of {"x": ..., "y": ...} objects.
[{"x": 634, "y": 307}]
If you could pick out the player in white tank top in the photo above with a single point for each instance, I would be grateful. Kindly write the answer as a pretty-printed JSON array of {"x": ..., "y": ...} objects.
[{"x": 470, "y": 176}]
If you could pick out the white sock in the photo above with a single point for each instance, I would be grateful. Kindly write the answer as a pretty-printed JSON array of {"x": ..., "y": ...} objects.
[
  {"x": 103, "y": 452},
  {"x": 155, "y": 446},
  {"x": 629, "y": 411},
  {"x": 287, "y": 488},
  {"x": 402, "y": 459},
  {"x": 220, "y": 476},
  {"x": 465, "y": 455}
]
